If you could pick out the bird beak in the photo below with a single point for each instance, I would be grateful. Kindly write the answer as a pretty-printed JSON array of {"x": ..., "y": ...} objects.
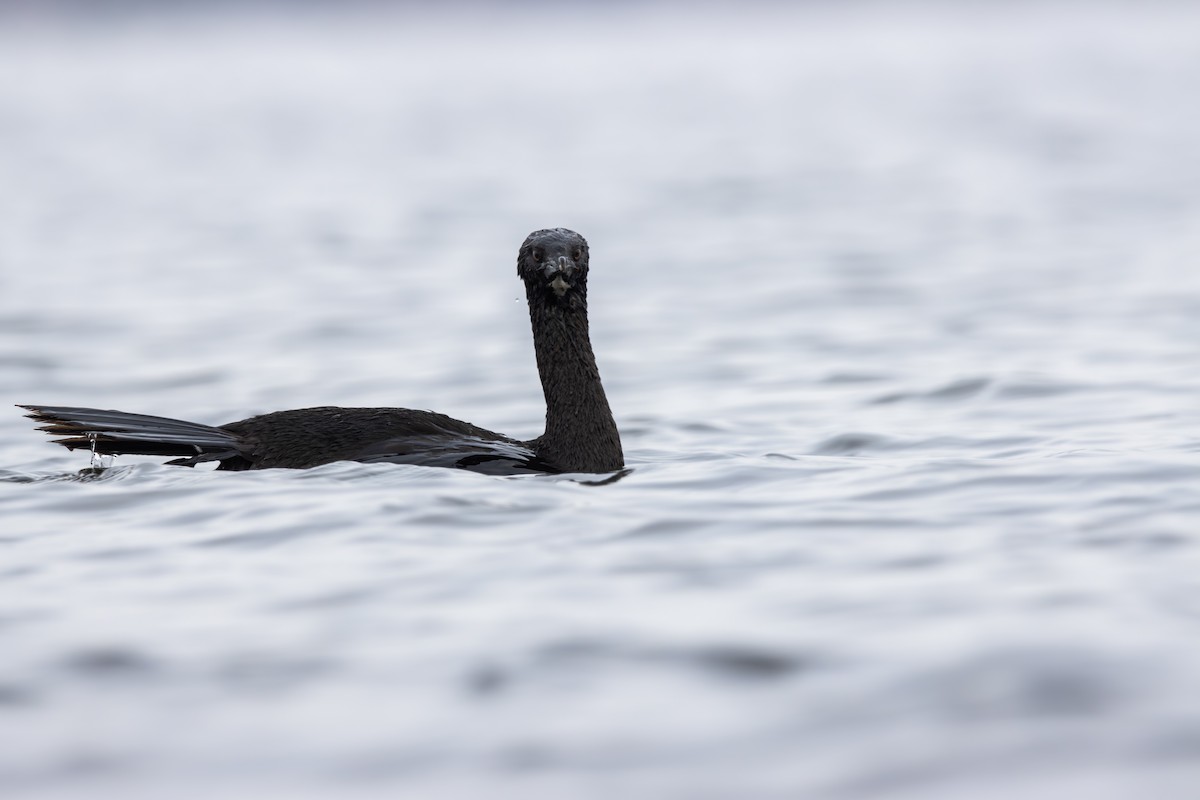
[{"x": 560, "y": 271}]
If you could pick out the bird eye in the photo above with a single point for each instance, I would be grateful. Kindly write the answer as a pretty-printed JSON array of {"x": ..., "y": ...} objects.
[
  {"x": 576, "y": 254},
  {"x": 538, "y": 254}
]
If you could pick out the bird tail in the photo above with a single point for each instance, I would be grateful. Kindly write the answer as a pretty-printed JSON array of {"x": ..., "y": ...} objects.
[{"x": 121, "y": 433}]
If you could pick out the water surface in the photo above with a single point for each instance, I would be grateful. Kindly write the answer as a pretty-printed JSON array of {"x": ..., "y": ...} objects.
[{"x": 898, "y": 311}]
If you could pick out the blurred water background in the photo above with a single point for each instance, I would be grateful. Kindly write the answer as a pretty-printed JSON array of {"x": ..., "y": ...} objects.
[{"x": 898, "y": 307}]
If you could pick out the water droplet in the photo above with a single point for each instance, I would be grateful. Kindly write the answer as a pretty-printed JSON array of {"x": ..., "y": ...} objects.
[{"x": 99, "y": 461}]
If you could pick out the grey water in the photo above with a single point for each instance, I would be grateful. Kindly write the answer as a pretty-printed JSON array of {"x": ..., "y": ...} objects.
[{"x": 898, "y": 308}]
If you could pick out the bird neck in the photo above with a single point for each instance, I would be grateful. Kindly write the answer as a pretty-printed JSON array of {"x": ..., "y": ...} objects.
[{"x": 581, "y": 435}]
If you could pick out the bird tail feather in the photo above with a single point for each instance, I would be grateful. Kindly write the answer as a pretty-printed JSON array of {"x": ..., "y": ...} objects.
[{"x": 120, "y": 433}]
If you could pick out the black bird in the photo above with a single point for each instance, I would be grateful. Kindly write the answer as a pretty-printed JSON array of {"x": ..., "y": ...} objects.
[{"x": 580, "y": 436}]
